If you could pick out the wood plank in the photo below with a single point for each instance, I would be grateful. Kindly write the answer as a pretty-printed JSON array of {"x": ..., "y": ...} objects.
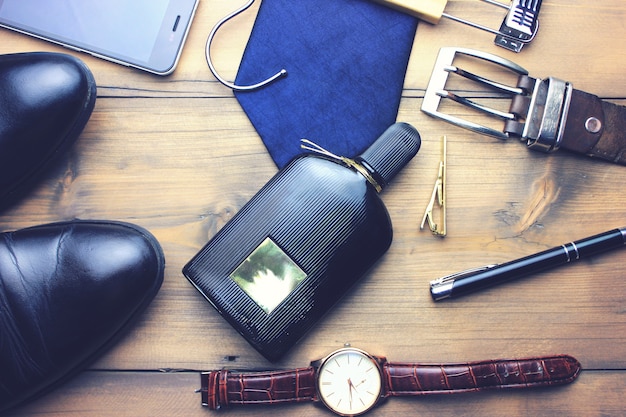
[
  {"x": 138, "y": 394},
  {"x": 171, "y": 190}
]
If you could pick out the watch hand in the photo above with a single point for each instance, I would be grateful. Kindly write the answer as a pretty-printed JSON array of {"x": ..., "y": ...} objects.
[
  {"x": 354, "y": 386},
  {"x": 350, "y": 387}
]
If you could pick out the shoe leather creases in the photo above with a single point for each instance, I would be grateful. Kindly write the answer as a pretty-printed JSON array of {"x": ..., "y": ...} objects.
[
  {"x": 23, "y": 367},
  {"x": 68, "y": 291},
  {"x": 12, "y": 345}
]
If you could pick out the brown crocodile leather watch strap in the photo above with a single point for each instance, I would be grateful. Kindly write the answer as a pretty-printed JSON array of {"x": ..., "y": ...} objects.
[
  {"x": 223, "y": 388},
  {"x": 415, "y": 379},
  {"x": 595, "y": 127}
]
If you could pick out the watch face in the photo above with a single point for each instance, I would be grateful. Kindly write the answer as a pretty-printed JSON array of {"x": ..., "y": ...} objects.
[{"x": 349, "y": 382}]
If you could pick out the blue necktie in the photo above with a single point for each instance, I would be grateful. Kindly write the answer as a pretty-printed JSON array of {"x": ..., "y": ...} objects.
[{"x": 346, "y": 61}]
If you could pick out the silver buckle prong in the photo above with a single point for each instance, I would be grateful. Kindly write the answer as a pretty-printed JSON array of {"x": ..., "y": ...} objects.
[
  {"x": 476, "y": 106},
  {"x": 436, "y": 89}
]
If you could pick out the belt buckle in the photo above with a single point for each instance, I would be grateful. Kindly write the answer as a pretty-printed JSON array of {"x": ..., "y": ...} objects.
[{"x": 538, "y": 108}]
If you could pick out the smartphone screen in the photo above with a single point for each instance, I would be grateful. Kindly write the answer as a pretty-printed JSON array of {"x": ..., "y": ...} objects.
[{"x": 146, "y": 34}]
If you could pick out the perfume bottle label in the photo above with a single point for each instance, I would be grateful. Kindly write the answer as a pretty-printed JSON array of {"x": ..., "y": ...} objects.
[{"x": 268, "y": 275}]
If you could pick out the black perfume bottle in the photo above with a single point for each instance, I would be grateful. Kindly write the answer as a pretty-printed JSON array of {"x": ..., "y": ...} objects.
[{"x": 302, "y": 241}]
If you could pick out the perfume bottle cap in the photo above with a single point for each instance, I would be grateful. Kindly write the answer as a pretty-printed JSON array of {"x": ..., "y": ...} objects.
[{"x": 391, "y": 152}]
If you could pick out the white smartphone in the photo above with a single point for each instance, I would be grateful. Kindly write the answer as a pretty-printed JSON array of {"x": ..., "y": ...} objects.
[{"x": 144, "y": 34}]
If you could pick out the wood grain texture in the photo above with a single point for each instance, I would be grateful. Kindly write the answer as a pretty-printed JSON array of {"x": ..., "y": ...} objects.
[{"x": 178, "y": 156}]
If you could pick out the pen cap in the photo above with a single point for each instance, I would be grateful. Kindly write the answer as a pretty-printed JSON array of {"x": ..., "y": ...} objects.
[
  {"x": 390, "y": 152},
  {"x": 440, "y": 289}
]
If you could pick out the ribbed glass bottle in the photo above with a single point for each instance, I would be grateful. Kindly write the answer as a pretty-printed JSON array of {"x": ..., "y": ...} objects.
[{"x": 302, "y": 241}]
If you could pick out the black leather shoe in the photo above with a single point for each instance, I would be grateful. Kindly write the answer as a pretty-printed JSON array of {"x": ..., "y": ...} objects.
[
  {"x": 67, "y": 291},
  {"x": 45, "y": 101}
]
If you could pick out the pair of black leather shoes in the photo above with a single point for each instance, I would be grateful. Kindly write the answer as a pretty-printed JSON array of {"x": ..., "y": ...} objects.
[{"x": 67, "y": 290}]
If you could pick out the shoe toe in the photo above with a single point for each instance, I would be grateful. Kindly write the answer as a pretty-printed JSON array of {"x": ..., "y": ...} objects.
[
  {"x": 45, "y": 101},
  {"x": 67, "y": 291}
]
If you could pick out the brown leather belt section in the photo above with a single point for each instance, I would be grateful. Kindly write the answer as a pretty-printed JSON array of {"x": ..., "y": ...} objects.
[
  {"x": 548, "y": 114},
  {"x": 566, "y": 118},
  {"x": 596, "y": 128}
]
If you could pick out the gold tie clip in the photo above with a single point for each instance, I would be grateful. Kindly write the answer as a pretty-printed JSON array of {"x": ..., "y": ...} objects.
[{"x": 438, "y": 195}]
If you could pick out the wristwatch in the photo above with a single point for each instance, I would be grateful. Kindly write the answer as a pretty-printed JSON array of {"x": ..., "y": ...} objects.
[{"x": 350, "y": 381}]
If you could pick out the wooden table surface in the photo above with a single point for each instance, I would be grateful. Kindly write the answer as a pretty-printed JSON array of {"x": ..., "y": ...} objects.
[{"x": 178, "y": 156}]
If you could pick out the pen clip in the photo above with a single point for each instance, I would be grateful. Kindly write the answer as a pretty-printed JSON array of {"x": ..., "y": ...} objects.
[
  {"x": 439, "y": 195},
  {"x": 448, "y": 279},
  {"x": 442, "y": 288}
]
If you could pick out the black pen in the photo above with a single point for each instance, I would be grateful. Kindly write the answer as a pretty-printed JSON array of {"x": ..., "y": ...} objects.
[{"x": 489, "y": 275}]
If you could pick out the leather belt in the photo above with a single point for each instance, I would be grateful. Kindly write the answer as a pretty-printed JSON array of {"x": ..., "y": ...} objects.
[{"x": 548, "y": 114}]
